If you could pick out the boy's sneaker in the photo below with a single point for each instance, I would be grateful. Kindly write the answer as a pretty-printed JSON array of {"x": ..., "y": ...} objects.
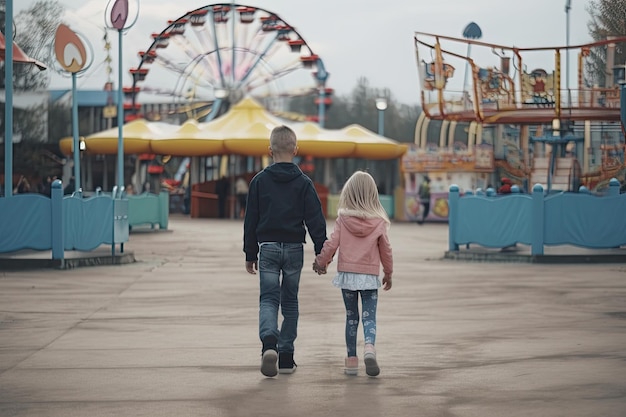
[
  {"x": 268, "y": 363},
  {"x": 352, "y": 365},
  {"x": 286, "y": 365},
  {"x": 371, "y": 365}
]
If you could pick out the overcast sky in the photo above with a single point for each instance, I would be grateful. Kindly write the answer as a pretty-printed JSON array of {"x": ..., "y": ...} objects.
[{"x": 354, "y": 38}]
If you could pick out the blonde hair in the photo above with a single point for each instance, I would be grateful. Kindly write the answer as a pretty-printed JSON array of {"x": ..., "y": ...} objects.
[
  {"x": 283, "y": 140},
  {"x": 359, "y": 197}
]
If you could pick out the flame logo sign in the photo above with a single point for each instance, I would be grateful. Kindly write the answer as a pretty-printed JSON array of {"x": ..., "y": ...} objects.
[
  {"x": 69, "y": 49},
  {"x": 119, "y": 14}
]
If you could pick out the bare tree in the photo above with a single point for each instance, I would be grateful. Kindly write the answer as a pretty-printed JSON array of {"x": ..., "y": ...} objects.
[
  {"x": 35, "y": 28},
  {"x": 608, "y": 18}
]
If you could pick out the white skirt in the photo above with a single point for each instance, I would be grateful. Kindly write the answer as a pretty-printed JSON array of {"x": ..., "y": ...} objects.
[{"x": 353, "y": 281}]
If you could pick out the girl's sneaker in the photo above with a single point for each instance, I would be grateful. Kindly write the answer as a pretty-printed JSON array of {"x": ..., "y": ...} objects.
[
  {"x": 371, "y": 365},
  {"x": 352, "y": 365}
]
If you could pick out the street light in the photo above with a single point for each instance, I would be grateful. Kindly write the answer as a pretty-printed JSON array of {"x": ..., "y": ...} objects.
[
  {"x": 568, "y": 7},
  {"x": 471, "y": 31},
  {"x": 70, "y": 49},
  {"x": 116, "y": 18},
  {"x": 9, "y": 59},
  {"x": 321, "y": 76},
  {"x": 381, "y": 105}
]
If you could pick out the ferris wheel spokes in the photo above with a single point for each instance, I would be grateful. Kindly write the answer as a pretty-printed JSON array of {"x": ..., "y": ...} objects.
[{"x": 228, "y": 50}]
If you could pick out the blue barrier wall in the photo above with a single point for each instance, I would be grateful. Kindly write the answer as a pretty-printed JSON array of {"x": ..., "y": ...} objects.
[
  {"x": 26, "y": 220},
  {"x": 88, "y": 223},
  {"x": 149, "y": 209},
  {"x": 32, "y": 221},
  {"x": 577, "y": 219}
]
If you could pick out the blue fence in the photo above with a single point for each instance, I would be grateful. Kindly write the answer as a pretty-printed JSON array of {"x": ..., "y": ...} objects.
[
  {"x": 579, "y": 219},
  {"x": 31, "y": 221},
  {"x": 149, "y": 209}
]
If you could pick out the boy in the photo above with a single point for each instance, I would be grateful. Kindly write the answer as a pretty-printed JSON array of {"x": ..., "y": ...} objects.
[{"x": 281, "y": 203}]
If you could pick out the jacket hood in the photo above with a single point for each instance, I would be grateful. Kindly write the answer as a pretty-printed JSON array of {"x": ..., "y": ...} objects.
[
  {"x": 360, "y": 226},
  {"x": 283, "y": 171}
]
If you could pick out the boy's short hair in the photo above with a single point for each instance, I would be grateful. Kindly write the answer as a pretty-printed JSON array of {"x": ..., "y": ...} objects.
[{"x": 283, "y": 140}]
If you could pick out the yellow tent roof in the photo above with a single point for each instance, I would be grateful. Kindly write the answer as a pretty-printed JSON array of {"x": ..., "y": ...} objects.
[
  {"x": 190, "y": 139},
  {"x": 244, "y": 130},
  {"x": 137, "y": 134},
  {"x": 372, "y": 146},
  {"x": 321, "y": 143}
]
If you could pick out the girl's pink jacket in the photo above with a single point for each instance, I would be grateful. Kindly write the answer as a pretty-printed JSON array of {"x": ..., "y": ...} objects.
[{"x": 363, "y": 245}]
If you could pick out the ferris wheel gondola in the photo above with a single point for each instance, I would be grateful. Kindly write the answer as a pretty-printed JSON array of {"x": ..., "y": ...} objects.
[{"x": 210, "y": 58}]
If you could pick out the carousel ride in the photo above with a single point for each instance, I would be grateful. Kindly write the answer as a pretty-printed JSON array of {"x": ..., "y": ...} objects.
[{"x": 503, "y": 111}]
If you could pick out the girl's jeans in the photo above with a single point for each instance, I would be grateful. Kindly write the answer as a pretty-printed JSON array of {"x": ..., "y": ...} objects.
[
  {"x": 274, "y": 259},
  {"x": 369, "y": 299}
]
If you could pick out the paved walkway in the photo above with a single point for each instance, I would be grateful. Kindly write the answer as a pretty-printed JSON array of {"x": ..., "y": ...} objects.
[{"x": 175, "y": 334}]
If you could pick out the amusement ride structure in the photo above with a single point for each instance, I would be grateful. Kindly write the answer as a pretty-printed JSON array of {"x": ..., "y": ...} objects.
[
  {"x": 512, "y": 116},
  {"x": 206, "y": 61},
  {"x": 210, "y": 58}
]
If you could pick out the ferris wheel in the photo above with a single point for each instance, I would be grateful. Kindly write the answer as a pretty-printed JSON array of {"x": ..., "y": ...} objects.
[{"x": 210, "y": 58}]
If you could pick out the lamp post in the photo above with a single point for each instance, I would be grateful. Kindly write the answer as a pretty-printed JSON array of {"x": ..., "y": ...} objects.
[
  {"x": 568, "y": 6},
  {"x": 622, "y": 86},
  {"x": 12, "y": 54},
  {"x": 471, "y": 31},
  {"x": 221, "y": 95},
  {"x": 118, "y": 15},
  {"x": 321, "y": 76},
  {"x": 381, "y": 105},
  {"x": 8, "y": 112},
  {"x": 71, "y": 54}
]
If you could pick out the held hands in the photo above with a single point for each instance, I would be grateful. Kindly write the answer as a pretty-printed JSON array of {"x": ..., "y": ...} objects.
[
  {"x": 387, "y": 282},
  {"x": 252, "y": 267},
  {"x": 318, "y": 268}
]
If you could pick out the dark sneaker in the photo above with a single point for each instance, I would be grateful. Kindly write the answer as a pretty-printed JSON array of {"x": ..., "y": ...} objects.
[
  {"x": 371, "y": 365},
  {"x": 286, "y": 365},
  {"x": 268, "y": 363}
]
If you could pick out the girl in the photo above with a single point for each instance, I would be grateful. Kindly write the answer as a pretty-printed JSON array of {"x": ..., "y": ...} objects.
[{"x": 361, "y": 233}]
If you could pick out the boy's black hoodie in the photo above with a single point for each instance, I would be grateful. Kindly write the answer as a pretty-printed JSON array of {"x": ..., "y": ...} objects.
[{"x": 281, "y": 202}]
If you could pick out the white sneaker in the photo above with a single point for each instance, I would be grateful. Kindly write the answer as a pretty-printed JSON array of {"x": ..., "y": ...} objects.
[
  {"x": 269, "y": 366},
  {"x": 352, "y": 365}
]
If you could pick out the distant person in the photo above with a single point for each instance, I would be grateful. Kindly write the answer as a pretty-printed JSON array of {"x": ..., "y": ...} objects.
[
  {"x": 282, "y": 205},
  {"x": 241, "y": 191},
  {"x": 46, "y": 186},
  {"x": 23, "y": 186},
  {"x": 70, "y": 188},
  {"x": 424, "y": 196},
  {"x": 505, "y": 186},
  {"x": 130, "y": 190},
  {"x": 221, "y": 189},
  {"x": 360, "y": 236}
]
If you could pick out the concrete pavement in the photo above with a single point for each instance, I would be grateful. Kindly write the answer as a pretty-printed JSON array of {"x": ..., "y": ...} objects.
[{"x": 175, "y": 334}]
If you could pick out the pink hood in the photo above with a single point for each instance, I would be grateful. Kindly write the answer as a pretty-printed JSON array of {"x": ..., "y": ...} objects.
[{"x": 362, "y": 243}]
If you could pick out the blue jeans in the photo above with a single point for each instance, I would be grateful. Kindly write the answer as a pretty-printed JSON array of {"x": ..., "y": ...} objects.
[
  {"x": 369, "y": 299},
  {"x": 274, "y": 259}
]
